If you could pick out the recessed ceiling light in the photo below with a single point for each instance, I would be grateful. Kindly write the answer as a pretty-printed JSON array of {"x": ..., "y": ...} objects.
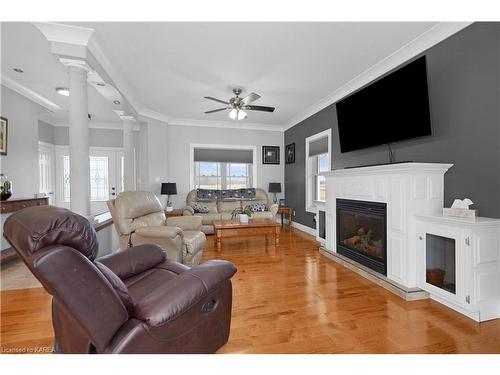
[
  {"x": 100, "y": 84},
  {"x": 63, "y": 91},
  {"x": 117, "y": 102},
  {"x": 18, "y": 70}
]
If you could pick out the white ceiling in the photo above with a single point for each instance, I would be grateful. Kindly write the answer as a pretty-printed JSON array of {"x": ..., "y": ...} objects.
[{"x": 170, "y": 67}]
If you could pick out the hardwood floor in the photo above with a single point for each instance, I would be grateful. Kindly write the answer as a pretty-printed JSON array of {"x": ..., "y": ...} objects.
[{"x": 294, "y": 300}]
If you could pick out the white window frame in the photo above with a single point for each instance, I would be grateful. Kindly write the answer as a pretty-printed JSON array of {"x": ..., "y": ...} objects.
[
  {"x": 193, "y": 146},
  {"x": 312, "y": 205}
]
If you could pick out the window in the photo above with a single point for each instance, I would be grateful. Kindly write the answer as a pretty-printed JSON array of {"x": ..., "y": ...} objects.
[
  {"x": 66, "y": 188},
  {"x": 222, "y": 166},
  {"x": 208, "y": 175},
  {"x": 238, "y": 175},
  {"x": 318, "y": 156},
  {"x": 99, "y": 184},
  {"x": 222, "y": 175},
  {"x": 322, "y": 165}
]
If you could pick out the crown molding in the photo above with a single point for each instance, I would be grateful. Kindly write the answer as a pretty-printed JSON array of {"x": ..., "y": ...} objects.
[
  {"x": 416, "y": 46},
  {"x": 149, "y": 113},
  {"x": 66, "y": 41},
  {"x": 97, "y": 125},
  {"x": 225, "y": 124},
  {"x": 61, "y": 33},
  {"x": 30, "y": 94}
]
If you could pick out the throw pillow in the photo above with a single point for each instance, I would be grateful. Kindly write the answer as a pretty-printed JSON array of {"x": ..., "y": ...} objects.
[
  {"x": 200, "y": 209},
  {"x": 257, "y": 207}
]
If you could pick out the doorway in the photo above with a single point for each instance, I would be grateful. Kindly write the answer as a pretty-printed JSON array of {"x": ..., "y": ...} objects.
[{"x": 106, "y": 177}]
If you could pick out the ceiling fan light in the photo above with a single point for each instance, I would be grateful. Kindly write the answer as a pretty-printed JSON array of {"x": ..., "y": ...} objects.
[
  {"x": 233, "y": 114},
  {"x": 241, "y": 114}
]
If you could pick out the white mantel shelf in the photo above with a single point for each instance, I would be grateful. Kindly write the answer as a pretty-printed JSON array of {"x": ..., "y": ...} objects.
[
  {"x": 462, "y": 221},
  {"x": 390, "y": 169}
]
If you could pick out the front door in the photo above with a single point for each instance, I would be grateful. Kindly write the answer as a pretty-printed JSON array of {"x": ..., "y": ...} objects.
[{"x": 106, "y": 177}]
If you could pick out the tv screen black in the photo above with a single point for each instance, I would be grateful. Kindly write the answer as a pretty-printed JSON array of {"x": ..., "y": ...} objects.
[{"x": 392, "y": 109}]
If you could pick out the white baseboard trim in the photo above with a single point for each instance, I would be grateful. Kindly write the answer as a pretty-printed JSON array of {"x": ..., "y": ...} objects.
[{"x": 304, "y": 228}]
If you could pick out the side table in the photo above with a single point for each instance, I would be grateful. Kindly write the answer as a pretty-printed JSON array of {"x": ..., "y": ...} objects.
[
  {"x": 174, "y": 213},
  {"x": 285, "y": 210}
]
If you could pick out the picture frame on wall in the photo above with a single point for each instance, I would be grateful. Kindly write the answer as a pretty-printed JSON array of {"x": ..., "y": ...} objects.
[
  {"x": 270, "y": 154},
  {"x": 4, "y": 131},
  {"x": 282, "y": 202},
  {"x": 290, "y": 153}
]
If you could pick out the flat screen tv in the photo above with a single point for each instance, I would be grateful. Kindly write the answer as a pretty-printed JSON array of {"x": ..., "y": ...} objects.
[{"x": 394, "y": 108}]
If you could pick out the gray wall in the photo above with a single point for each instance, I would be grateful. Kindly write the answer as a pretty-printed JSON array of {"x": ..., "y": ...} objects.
[
  {"x": 464, "y": 91},
  {"x": 21, "y": 162},
  {"x": 59, "y": 135}
]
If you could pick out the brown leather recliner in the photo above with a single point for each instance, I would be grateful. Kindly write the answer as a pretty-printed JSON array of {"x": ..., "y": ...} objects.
[{"x": 132, "y": 301}]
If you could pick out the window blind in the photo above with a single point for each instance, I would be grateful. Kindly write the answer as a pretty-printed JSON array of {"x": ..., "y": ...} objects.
[
  {"x": 223, "y": 156},
  {"x": 318, "y": 147}
]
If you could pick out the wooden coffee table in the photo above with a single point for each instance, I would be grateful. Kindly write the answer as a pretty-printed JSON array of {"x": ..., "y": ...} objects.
[{"x": 233, "y": 228}]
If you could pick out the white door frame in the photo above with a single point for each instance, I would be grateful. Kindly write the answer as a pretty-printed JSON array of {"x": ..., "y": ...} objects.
[
  {"x": 61, "y": 150},
  {"x": 49, "y": 148}
]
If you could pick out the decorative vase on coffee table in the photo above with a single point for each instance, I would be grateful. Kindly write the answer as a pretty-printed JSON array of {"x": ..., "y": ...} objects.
[{"x": 243, "y": 218}]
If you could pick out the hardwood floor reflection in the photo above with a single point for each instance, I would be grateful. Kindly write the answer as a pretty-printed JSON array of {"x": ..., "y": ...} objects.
[{"x": 291, "y": 299}]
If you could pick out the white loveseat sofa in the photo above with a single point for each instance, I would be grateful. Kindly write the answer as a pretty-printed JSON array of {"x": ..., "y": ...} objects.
[{"x": 222, "y": 208}]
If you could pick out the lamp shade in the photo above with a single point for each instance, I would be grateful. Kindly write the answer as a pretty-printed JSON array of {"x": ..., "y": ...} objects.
[
  {"x": 168, "y": 188},
  {"x": 275, "y": 187}
]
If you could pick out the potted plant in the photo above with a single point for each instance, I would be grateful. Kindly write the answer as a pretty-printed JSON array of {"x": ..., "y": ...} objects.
[
  {"x": 244, "y": 214},
  {"x": 5, "y": 187}
]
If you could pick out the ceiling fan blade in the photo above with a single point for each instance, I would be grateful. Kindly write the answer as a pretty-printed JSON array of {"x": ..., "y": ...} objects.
[
  {"x": 250, "y": 98},
  {"x": 260, "y": 108},
  {"x": 216, "y": 100},
  {"x": 216, "y": 110}
]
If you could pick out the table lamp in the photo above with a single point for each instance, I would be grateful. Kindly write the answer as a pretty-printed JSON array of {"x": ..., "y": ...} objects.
[
  {"x": 169, "y": 188},
  {"x": 275, "y": 187}
]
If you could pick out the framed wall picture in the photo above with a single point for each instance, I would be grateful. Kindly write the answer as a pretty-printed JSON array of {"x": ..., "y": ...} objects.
[
  {"x": 4, "y": 128},
  {"x": 270, "y": 154},
  {"x": 290, "y": 153}
]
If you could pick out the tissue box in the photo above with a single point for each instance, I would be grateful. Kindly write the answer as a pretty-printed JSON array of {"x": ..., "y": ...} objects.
[{"x": 459, "y": 212}]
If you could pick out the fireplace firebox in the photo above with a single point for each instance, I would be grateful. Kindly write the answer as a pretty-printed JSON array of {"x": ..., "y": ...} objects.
[{"x": 362, "y": 233}]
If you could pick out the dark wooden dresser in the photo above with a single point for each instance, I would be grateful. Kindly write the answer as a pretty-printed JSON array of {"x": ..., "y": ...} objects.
[{"x": 13, "y": 205}]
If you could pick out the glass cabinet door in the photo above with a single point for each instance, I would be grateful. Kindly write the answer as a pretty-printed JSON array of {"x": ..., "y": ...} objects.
[{"x": 440, "y": 262}]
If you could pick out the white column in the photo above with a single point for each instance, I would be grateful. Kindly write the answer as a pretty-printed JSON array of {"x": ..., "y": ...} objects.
[
  {"x": 128, "y": 155},
  {"x": 79, "y": 140}
]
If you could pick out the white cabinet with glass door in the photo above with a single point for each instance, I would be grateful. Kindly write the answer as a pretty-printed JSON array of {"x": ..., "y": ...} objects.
[{"x": 106, "y": 177}]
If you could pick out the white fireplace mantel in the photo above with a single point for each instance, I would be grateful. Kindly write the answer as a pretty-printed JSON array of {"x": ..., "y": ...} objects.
[{"x": 408, "y": 189}]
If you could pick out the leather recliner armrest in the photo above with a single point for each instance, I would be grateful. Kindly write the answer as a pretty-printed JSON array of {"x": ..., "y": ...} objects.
[
  {"x": 134, "y": 260},
  {"x": 185, "y": 222},
  {"x": 187, "y": 289},
  {"x": 159, "y": 231}
]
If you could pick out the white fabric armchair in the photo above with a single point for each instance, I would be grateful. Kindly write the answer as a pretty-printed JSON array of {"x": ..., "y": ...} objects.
[{"x": 140, "y": 219}]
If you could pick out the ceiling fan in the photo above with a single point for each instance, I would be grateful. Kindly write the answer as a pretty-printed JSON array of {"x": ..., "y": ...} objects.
[{"x": 238, "y": 106}]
